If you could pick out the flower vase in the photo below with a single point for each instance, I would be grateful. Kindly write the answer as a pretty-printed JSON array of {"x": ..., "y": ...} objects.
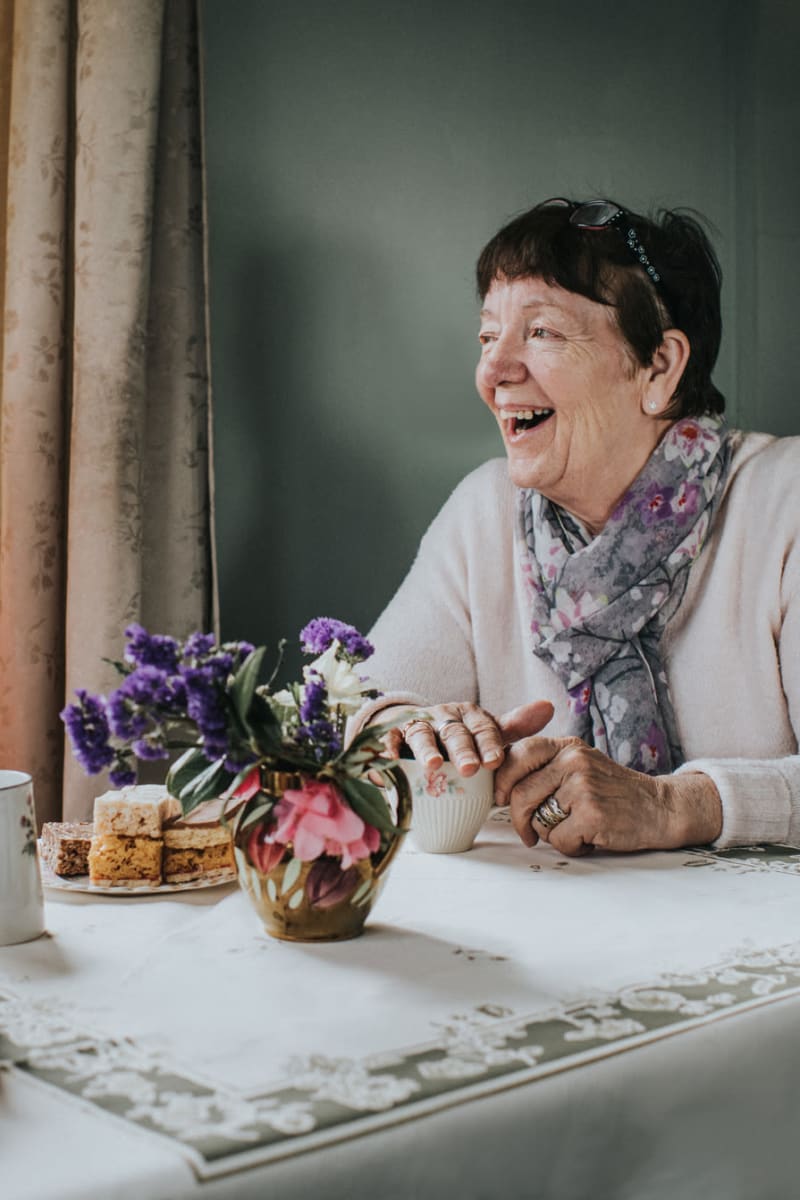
[{"x": 319, "y": 900}]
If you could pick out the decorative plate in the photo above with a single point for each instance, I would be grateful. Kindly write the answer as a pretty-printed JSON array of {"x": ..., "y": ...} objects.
[{"x": 80, "y": 883}]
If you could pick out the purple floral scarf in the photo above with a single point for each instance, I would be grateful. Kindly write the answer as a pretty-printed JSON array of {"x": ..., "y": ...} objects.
[{"x": 599, "y": 606}]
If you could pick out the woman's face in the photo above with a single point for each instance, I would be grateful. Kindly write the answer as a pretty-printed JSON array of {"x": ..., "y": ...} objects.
[{"x": 571, "y": 403}]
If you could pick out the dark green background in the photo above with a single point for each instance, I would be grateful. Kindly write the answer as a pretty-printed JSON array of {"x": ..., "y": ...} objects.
[{"x": 359, "y": 155}]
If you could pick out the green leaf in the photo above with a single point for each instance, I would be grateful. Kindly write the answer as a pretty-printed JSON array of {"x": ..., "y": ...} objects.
[
  {"x": 261, "y": 810},
  {"x": 366, "y": 800},
  {"x": 121, "y": 667},
  {"x": 362, "y": 893},
  {"x": 209, "y": 783},
  {"x": 291, "y": 874},
  {"x": 244, "y": 684},
  {"x": 265, "y": 726},
  {"x": 371, "y": 733},
  {"x": 278, "y": 663},
  {"x": 185, "y": 769}
]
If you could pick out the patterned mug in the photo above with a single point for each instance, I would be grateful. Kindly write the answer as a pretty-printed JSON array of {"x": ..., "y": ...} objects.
[
  {"x": 21, "y": 902},
  {"x": 447, "y": 809}
]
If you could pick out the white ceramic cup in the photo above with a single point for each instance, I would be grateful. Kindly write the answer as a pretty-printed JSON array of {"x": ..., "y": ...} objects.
[
  {"x": 447, "y": 809},
  {"x": 21, "y": 902}
]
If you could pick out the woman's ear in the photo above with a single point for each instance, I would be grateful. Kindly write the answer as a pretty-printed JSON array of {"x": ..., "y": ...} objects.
[{"x": 665, "y": 371}]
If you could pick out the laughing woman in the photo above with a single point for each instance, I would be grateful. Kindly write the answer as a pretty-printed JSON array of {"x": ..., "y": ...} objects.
[{"x": 628, "y": 578}]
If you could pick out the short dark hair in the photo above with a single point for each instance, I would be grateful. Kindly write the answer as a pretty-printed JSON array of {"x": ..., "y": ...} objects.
[{"x": 598, "y": 264}]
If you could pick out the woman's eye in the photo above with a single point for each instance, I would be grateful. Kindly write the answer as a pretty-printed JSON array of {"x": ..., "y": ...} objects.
[
  {"x": 486, "y": 339},
  {"x": 539, "y": 332}
]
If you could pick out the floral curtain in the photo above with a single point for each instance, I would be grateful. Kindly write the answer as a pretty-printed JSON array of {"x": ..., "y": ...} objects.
[{"x": 105, "y": 487}]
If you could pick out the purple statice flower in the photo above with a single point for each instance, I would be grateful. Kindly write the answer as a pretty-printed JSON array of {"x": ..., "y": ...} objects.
[
  {"x": 315, "y": 731},
  {"x": 122, "y": 775},
  {"x": 87, "y": 725},
  {"x": 200, "y": 648},
  {"x": 239, "y": 650},
  {"x": 151, "y": 650},
  {"x": 137, "y": 702},
  {"x": 318, "y": 634},
  {"x": 150, "y": 747},
  {"x": 315, "y": 700},
  {"x": 199, "y": 645},
  {"x": 239, "y": 757},
  {"x": 206, "y": 703}
]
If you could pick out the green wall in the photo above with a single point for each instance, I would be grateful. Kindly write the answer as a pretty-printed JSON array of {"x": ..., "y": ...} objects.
[{"x": 359, "y": 155}]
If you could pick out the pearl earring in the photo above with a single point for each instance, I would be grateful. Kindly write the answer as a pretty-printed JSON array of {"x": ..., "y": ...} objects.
[{"x": 653, "y": 405}]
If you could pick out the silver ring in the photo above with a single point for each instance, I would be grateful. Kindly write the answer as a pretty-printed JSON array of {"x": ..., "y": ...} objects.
[
  {"x": 550, "y": 813},
  {"x": 450, "y": 721}
]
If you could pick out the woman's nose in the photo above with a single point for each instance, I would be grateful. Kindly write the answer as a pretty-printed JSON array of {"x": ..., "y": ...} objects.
[{"x": 499, "y": 364}]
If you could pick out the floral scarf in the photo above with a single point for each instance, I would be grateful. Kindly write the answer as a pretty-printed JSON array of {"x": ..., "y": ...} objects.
[{"x": 599, "y": 606}]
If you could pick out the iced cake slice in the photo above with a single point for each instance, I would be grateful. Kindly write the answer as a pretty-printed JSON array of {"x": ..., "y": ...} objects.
[
  {"x": 138, "y": 811},
  {"x": 115, "y": 861},
  {"x": 65, "y": 846}
]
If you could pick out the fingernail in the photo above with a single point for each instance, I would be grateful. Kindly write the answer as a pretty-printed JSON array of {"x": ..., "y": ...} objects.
[
  {"x": 465, "y": 761},
  {"x": 492, "y": 756},
  {"x": 432, "y": 759}
]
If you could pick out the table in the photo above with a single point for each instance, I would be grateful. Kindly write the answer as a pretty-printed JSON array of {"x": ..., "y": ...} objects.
[{"x": 512, "y": 1023}]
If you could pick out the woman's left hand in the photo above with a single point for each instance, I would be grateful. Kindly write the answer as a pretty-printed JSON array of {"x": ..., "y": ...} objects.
[{"x": 608, "y": 806}]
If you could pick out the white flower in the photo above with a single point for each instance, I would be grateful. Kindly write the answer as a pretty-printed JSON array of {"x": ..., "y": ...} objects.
[
  {"x": 285, "y": 698},
  {"x": 345, "y": 689}
]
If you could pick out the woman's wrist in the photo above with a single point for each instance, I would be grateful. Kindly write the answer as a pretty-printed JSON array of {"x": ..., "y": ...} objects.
[{"x": 696, "y": 808}]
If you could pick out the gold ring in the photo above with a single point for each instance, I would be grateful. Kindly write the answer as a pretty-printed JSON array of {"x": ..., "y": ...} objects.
[
  {"x": 450, "y": 721},
  {"x": 550, "y": 813},
  {"x": 409, "y": 725}
]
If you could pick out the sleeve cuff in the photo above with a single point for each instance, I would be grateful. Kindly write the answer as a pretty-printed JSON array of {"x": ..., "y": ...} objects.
[
  {"x": 369, "y": 710},
  {"x": 756, "y": 799}
]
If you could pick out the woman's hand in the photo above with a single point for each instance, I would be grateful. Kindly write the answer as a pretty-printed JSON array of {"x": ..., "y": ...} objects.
[
  {"x": 607, "y": 805},
  {"x": 469, "y": 735}
]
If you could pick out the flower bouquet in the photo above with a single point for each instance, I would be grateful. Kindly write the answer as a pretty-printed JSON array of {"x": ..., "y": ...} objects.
[{"x": 312, "y": 834}]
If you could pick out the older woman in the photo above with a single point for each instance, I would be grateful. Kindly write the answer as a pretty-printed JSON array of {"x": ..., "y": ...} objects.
[{"x": 629, "y": 577}]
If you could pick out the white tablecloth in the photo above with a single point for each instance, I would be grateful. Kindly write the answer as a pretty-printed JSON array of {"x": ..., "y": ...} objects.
[{"x": 512, "y": 1023}]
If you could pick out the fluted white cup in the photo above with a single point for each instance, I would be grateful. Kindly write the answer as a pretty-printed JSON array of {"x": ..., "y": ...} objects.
[
  {"x": 447, "y": 809},
  {"x": 21, "y": 901}
]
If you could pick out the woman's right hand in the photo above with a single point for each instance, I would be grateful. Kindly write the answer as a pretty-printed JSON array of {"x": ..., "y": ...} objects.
[{"x": 468, "y": 735}]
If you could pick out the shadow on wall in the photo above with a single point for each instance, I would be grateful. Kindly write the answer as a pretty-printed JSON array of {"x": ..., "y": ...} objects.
[{"x": 318, "y": 515}]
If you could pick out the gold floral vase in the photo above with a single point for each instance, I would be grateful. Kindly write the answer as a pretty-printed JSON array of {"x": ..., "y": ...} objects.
[{"x": 326, "y": 898}]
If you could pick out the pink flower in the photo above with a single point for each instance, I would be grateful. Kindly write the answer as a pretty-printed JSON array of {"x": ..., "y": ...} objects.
[
  {"x": 435, "y": 783},
  {"x": 328, "y": 884},
  {"x": 249, "y": 785},
  {"x": 263, "y": 852},
  {"x": 316, "y": 820}
]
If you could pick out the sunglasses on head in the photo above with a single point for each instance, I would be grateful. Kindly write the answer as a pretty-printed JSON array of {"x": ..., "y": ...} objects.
[{"x": 604, "y": 214}]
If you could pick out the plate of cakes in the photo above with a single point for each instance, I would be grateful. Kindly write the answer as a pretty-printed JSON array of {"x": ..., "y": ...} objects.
[{"x": 137, "y": 844}]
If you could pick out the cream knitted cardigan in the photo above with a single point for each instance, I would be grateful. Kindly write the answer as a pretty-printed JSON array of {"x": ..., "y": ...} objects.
[{"x": 457, "y": 630}]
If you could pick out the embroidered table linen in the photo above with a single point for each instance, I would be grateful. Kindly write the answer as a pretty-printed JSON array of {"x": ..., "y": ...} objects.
[{"x": 178, "y": 1020}]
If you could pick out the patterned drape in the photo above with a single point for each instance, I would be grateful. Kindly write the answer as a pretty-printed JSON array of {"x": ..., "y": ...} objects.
[{"x": 105, "y": 492}]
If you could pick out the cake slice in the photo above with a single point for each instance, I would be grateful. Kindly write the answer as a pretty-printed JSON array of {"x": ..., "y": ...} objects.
[
  {"x": 65, "y": 846},
  {"x": 138, "y": 811},
  {"x": 196, "y": 852},
  {"x": 115, "y": 861}
]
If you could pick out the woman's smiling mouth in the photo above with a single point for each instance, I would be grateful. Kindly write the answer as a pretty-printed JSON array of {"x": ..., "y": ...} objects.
[{"x": 522, "y": 419}]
